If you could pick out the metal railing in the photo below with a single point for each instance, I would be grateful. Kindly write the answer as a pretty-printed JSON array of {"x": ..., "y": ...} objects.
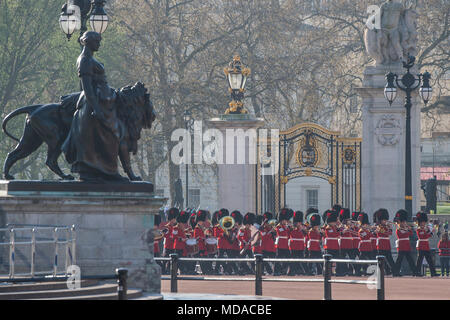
[
  {"x": 258, "y": 279},
  {"x": 69, "y": 242},
  {"x": 121, "y": 276}
]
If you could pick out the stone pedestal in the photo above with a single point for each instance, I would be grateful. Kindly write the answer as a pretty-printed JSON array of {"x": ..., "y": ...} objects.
[
  {"x": 237, "y": 189},
  {"x": 110, "y": 222},
  {"x": 383, "y": 146}
]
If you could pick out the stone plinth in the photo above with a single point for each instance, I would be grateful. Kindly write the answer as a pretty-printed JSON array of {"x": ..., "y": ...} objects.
[
  {"x": 109, "y": 224},
  {"x": 383, "y": 146},
  {"x": 237, "y": 190}
]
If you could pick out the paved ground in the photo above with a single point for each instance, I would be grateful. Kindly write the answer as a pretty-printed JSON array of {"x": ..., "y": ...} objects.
[{"x": 404, "y": 288}]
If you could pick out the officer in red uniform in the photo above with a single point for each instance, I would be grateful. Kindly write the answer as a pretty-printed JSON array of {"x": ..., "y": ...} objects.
[
  {"x": 313, "y": 245},
  {"x": 403, "y": 247},
  {"x": 297, "y": 244},
  {"x": 355, "y": 250},
  {"x": 268, "y": 235},
  {"x": 172, "y": 215},
  {"x": 199, "y": 234},
  {"x": 331, "y": 239},
  {"x": 309, "y": 212},
  {"x": 282, "y": 240},
  {"x": 157, "y": 242},
  {"x": 365, "y": 243},
  {"x": 222, "y": 242},
  {"x": 383, "y": 244},
  {"x": 346, "y": 239},
  {"x": 179, "y": 239},
  {"x": 257, "y": 244},
  {"x": 245, "y": 239},
  {"x": 423, "y": 246}
]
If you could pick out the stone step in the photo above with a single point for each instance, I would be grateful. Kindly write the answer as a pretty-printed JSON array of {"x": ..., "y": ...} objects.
[
  {"x": 131, "y": 295},
  {"x": 46, "y": 294},
  {"x": 42, "y": 286}
]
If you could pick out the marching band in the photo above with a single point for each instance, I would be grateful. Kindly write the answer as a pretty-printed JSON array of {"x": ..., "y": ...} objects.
[{"x": 338, "y": 232}]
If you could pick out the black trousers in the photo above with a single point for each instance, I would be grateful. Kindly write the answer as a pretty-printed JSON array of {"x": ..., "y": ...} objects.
[
  {"x": 349, "y": 268},
  {"x": 390, "y": 264},
  {"x": 244, "y": 266},
  {"x": 409, "y": 259},
  {"x": 221, "y": 253},
  {"x": 298, "y": 268},
  {"x": 166, "y": 264},
  {"x": 318, "y": 265},
  {"x": 182, "y": 265},
  {"x": 281, "y": 267},
  {"x": 336, "y": 255},
  {"x": 266, "y": 266},
  {"x": 356, "y": 267},
  {"x": 365, "y": 255},
  {"x": 205, "y": 266},
  {"x": 427, "y": 255},
  {"x": 232, "y": 266}
]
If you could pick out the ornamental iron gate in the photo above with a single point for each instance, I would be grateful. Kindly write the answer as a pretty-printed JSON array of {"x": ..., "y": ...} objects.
[{"x": 309, "y": 150}]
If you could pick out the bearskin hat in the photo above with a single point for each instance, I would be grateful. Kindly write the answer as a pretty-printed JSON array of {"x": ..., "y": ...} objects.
[
  {"x": 285, "y": 214},
  {"x": 381, "y": 214},
  {"x": 259, "y": 220},
  {"x": 298, "y": 216},
  {"x": 331, "y": 216},
  {"x": 363, "y": 218},
  {"x": 201, "y": 215},
  {"x": 223, "y": 213},
  {"x": 421, "y": 216},
  {"x": 268, "y": 216},
  {"x": 337, "y": 208},
  {"x": 401, "y": 215},
  {"x": 344, "y": 214},
  {"x": 214, "y": 219},
  {"x": 249, "y": 218},
  {"x": 314, "y": 220},
  {"x": 355, "y": 215},
  {"x": 184, "y": 216},
  {"x": 157, "y": 220},
  {"x": 237, "y": 216},
  {"x": 309, "y": 212},
  {"x": 173, "y": 213}
]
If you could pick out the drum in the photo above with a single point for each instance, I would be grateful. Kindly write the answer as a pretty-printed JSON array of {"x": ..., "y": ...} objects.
[
  {"x": 211, "y": 245},
  {"x": 191, "y": 246}
]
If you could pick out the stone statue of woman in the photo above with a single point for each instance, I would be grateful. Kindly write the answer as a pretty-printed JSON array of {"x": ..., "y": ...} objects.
[{"x": 92, "y": 146}]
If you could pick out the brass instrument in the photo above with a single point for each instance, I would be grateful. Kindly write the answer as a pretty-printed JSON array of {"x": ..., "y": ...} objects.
[
  {"x": 227, "y": 223},
  {"x": 273, "y": 223}
]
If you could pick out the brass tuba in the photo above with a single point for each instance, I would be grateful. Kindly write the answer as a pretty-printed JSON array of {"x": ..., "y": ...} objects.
[{"x": 227, "y": 223}]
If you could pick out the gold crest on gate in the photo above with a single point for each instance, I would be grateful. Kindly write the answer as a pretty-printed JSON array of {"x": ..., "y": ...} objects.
[{"x": 307, "y": 154}]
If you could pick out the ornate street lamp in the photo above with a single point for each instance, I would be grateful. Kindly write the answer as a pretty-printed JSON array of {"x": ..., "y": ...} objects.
[
  {"x": 237, "y": 77},
  {"x": 75, "y": 13},
  {"x": 189, "y": 123},
  {"x": 408, "y": 83}
]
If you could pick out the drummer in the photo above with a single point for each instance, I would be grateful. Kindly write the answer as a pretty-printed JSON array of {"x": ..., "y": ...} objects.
[
  {"x": 245, "y": 239},
  {"x": 200, "y": 232}
]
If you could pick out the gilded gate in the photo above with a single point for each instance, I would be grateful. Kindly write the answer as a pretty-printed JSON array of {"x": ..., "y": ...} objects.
[{"x": 309, "y": 150}]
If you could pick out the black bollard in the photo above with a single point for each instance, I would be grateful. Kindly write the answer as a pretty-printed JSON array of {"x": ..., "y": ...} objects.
[
  {"x": 327, "y": 277},
  {"x": 173, "y": 272},
  {"x": 380, "y": 277},
  {"x": 258, "y": 274},
  {"x": 122, "y": 275}
]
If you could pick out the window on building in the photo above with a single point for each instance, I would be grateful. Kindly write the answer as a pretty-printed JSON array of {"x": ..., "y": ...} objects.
[
  {"x": 194, "y": 198},
  {"x": 312, "y": 198}
]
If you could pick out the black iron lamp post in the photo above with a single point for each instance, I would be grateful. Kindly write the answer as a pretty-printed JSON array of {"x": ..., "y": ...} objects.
[
  {"x": 237, "y": 77},
  {"x": 76, "y": 13},
  {"x": 408, "y": 83},
  {"x": 189, "y": 123}
]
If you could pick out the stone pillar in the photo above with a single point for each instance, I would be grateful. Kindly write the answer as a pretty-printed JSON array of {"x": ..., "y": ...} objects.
[
  {"x": 111, "y": 224},
  {"x": 383, "y": 146},
  {"x": 237, "y": 186}
]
